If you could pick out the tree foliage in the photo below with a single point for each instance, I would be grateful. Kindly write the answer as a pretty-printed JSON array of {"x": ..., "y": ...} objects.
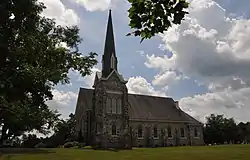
[
  {"x": 32, "y": 61},
  {"x": 64, "y": 131},
  {"x": 30, "y": 141},
  {"x": 150, "y": 17},
  {"x": 219, "y": 129}
]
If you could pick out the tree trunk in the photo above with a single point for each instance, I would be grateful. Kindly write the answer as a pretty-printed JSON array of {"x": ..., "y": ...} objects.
[{"x": 4, "y": 135}]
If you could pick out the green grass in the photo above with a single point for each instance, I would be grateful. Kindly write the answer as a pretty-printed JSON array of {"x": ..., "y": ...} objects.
[{"x": 227, "y": 152}]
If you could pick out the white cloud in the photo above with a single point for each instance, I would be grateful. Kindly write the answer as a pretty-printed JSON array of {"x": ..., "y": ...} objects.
[
  {"x": 94, "y": 5},
  {"x": 58, "y": 11},
  {"x": 87, "y": 81},
  {"x": 166, "y": 78},
  {"x": 63, "y": 101},
  {"x": 163, "y": 63},
  {"x": 139, "y": 85},
  {"x": 231, "y": 103},
  {"x": 63, "y": 98},
  {"x": 214, "y": 48}
]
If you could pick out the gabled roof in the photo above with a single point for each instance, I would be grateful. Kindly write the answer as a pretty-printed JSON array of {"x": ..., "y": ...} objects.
[
  {"x": 143, "y": 107},
  {"x": 99, "y": 76},
  {"x": 156, "y": 108}
]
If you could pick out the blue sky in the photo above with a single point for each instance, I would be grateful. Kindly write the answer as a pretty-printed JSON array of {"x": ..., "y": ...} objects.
[
  {"x": 203, "y": 63},
  {"x": 131, "y": 62}
]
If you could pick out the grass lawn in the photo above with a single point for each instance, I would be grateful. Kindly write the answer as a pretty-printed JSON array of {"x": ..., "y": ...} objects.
[{"x": 227, "y": 152}]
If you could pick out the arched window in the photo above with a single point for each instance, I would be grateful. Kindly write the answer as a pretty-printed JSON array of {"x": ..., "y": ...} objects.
[
  {"x": 195, "y": 133},
  {"x": 113, "y": 105},
  {"x": 163, "y": 132},
  {"x": 119, "y": 106},
  {"x": 155, "y": 132},
  {"x": 113, "y": 129},
  {"x": 108, "y": 105},
  {"x": 112, "y": 61},
  {"x": 169, "y": 132},
  {"x": 139, "y": 131},
  {"x": 182, "y": 132}
]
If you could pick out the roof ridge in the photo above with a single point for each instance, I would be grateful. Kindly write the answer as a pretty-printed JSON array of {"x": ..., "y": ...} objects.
[
  {"x": 82, "y": 88},
  {"x": 145, "y": 95},
  {"x": 152, "y": 96}
]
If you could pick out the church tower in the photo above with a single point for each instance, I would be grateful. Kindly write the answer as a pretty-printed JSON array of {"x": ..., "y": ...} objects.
[{"x": 110, "y": 120}]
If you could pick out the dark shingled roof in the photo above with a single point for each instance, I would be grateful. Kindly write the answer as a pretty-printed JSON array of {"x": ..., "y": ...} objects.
[{"x": 143, "y": 107}]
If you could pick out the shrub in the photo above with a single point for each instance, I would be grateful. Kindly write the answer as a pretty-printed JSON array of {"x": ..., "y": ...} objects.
[
  {"x": 81, "y": 145},
  {"x": 40, "y": 145},
  {"x": 71, "y": 144}
]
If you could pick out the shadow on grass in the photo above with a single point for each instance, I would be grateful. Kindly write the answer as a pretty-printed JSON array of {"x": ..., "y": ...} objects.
[
  {"x": 12, "y": 151},
  {"x": 107, "y": 149}
]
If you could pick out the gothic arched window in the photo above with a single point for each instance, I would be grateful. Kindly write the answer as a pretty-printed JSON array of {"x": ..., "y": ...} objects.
[
  {"x": 113, "y": 129},
  {"x": 119, "y": 106},
  {"x": 163, "y": 133},
  {"x": 113, "y": 105},
  {"x": 155, "y": 132},
  {"x": 139, "y": 131},
  {"x": 182, "y": 132},
  {"x": 195, "y": 133},
  {"x": 112, "y": 61},
  {"x": 169, "y": 132},
  {"x": 108, "y": 105}
]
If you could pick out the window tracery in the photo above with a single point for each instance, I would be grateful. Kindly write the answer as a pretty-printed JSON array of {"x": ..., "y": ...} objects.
[{"x": 114, "y": 105}]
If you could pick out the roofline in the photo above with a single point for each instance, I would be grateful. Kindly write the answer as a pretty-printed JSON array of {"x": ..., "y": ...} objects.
[
  {"x": 153, "y": 96},
  {"x": 121, "y": 79},
  {"x": 137, "y": 94},
  {"x": 164, "y": 121}
]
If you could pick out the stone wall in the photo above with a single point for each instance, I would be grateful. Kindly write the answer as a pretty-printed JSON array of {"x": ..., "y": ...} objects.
[
  {"x": 163, "y": 139},
  {"x": 199, "y": 139},
  {"x": 112, "y": 88}
]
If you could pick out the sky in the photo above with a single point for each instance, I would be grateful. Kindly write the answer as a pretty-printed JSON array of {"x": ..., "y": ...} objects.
[{"x": 203, "y": 63}]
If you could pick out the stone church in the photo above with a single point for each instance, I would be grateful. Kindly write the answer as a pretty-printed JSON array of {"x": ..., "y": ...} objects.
[{"x": 109, "y": 117}]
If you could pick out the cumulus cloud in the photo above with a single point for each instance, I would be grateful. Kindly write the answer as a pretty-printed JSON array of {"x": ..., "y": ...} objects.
[
  {"x": 166, "y": 78},
  {"x": 229, "y": 102},
  {"x": 139, "y": 85},
  {"x": 94, "y": 5},
  {"x": 215, "y": 48},
  {"x": 163, "y": 63},
  {"x": 64, "y": 16},
  {"x": 63, "y": 101}
]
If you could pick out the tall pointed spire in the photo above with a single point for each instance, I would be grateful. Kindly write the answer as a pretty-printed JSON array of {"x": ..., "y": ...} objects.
[{"x": 109, "y": 58}]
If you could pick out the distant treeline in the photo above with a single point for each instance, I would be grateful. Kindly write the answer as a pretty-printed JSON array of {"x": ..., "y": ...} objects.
[{"x": 221, "y": 130}]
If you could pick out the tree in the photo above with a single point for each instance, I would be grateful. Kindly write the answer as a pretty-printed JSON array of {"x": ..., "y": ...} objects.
[
  {"x": 213, "y": 132},
  {"x": 150, "y": 17},
  {"x": 230, "y": 130},
  {"x": 64, "y": 131},
  {"x": 30, "y": 141},
  {"x": 219, "y": 129},
  {"x": 244, "y": 132},
  {"x": 32, "y": 62},
  {"x": 27, "y": 118}
]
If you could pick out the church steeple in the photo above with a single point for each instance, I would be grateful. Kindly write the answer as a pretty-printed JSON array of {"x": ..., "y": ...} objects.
[{"x": 109, "y": 59}]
